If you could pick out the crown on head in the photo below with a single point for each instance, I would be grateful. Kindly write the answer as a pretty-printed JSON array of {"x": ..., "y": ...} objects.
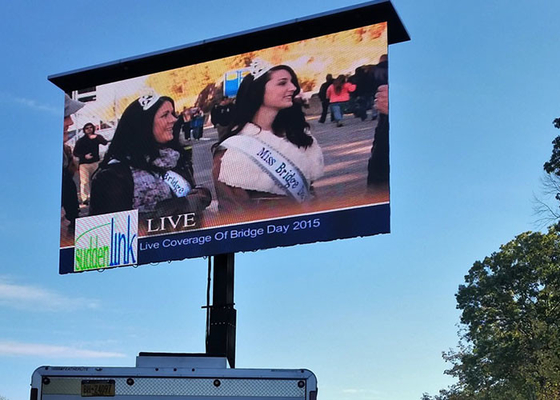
[
  {"x": 148, "y": 101},
  {"x": 259, "y": 67}
]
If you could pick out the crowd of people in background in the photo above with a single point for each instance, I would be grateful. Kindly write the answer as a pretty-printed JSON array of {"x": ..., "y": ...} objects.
[
  {"x": 357, "y": 94},
  {"x": 353, "y": 94}
]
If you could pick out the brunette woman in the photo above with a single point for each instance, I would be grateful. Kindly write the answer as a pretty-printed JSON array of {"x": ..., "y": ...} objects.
[
  {"x": 143, "y": 167},
  {"x": 267, "y": 156}
]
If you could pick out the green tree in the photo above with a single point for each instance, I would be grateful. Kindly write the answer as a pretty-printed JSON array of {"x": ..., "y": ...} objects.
[
  {"x": 510, "y": 324},
  {"x": 547, "y": 210},
  {"x": 552, "y": 166},
  {"x": 448, "y": 394}
]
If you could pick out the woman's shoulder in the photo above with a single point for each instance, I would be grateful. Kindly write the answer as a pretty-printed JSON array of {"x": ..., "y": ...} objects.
[
  {"x": 315, "y": 148},
  {"x": 113, "y": 171},
  {"x": 112, "y": 189},
  {"x": 251, "y": 129}
]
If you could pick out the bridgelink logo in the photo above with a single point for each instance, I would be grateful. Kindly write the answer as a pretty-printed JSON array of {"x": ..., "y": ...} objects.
[{"x": 106, "y": 241}]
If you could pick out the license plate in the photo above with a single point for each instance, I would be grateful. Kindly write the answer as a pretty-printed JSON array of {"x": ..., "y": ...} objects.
[{"x": 98, "y": 388}]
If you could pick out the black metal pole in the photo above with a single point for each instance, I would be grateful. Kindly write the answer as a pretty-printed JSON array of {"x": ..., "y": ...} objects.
[{"x": 220, "y": 338}]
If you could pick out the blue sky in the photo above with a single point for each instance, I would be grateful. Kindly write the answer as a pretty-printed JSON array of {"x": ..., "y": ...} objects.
[{"x": 473, "y": 95}]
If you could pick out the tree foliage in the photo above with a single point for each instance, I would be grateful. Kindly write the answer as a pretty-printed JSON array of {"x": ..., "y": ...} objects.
[
  {"x": 510, "y": 338},
  {"x": 552, "y": 166},
  {"x": 549, "y": 211},
  {"x": 509, "y": 345}
]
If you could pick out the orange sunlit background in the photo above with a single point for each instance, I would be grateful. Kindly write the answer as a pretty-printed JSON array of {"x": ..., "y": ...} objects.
[{"x": 201, "y": 84}]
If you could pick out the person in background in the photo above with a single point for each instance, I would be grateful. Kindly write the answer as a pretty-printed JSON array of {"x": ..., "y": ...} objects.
[
  {"x": 378, "y": 164},
  {"x": 70, "y": 202},
  {"x": 221, "y": 115},
  {"x": 339, "y": 94},
  {"x": 182, "y": 137},
  {"x": 87, "y": 151},
  {"x": 361, "y": 94},
  {"x": 324, "y": 100},
  {"x": 197, "y": 123},
  {"x": 378, "y": 75}
]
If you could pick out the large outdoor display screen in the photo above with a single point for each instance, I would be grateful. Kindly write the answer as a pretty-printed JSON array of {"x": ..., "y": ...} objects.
[{"x": 275, "y": 147}]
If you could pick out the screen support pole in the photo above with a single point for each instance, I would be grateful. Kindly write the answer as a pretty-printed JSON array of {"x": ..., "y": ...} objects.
[{"x": 220, "y": 335}]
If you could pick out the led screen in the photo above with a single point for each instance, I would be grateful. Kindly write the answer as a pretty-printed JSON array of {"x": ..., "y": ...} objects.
[{"x": 275, "y": 147}]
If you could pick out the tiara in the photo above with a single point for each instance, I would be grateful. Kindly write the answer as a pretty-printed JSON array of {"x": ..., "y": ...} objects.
[
  {"x": 148, "y": 100},
  {"x": 259, "y": 67}
]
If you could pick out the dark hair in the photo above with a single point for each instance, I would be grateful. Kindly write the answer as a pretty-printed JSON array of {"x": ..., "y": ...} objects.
[
  {"x": 86, "y": 125},
  {"x": 289, "y": 121},
  {"x": 339, "y": 83},
  {"x": 134, "y": 141}
]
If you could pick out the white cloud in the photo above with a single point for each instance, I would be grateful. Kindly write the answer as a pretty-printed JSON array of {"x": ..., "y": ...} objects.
[
  {"x": 30, "y": 103},
  {"x": 36, "y": 106},
  {"x": 8, "y": 348},
  {"x": 30, "y": 297}
]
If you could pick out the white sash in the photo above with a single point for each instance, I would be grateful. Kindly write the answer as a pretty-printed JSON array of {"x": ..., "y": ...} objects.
[
  {"x": 179, "y": 185},
  {"x": 283, "y": 172}
]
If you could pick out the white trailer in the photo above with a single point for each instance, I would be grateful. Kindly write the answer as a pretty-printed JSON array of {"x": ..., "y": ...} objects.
[{"x": 164, "y": 376}]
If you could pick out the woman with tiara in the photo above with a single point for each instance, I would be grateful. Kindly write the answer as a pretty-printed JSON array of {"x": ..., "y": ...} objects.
[
  {"x": 144, "y": 168},
  {"x": 267, "y": 155}
]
